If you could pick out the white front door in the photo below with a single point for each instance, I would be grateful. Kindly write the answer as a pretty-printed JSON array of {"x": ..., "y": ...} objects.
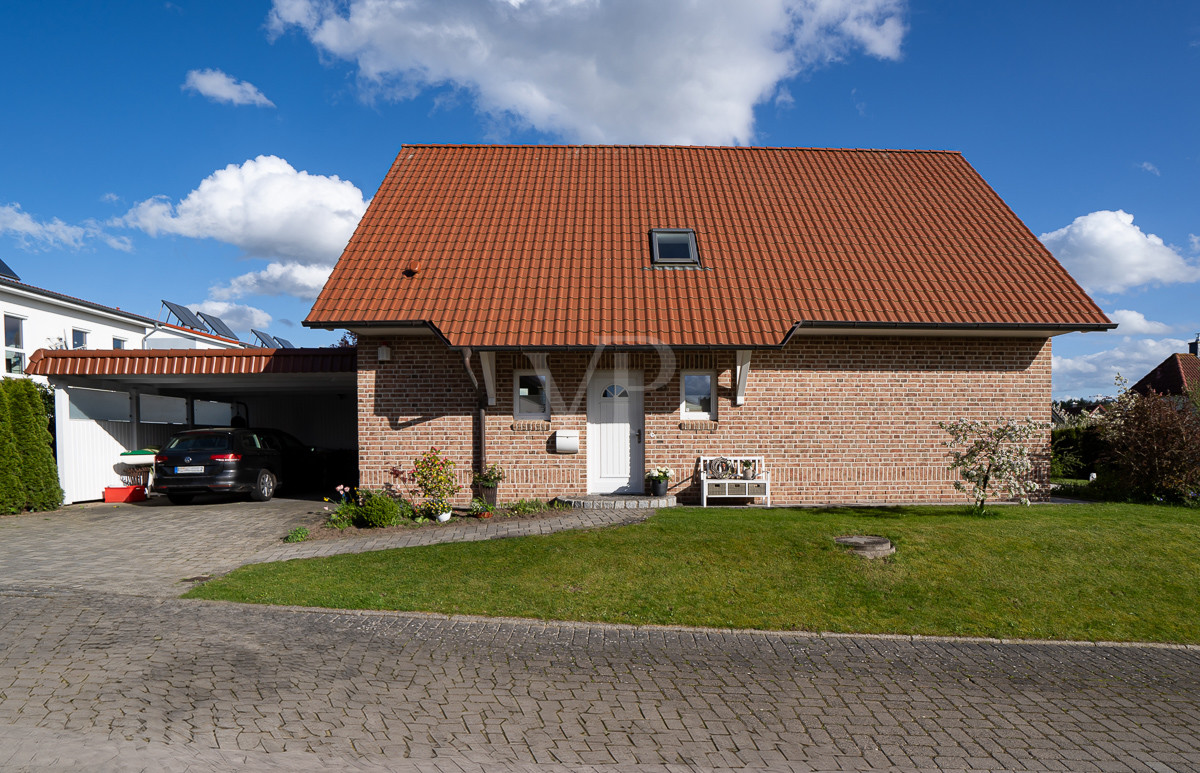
[{"x": 614, "y": 433}]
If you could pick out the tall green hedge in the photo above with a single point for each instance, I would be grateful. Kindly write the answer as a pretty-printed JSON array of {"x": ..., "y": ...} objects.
[
  {"x": 38, "y": 471},
  {"x": 1076, "y": 452},
  {"x": 12, "y": 493}
]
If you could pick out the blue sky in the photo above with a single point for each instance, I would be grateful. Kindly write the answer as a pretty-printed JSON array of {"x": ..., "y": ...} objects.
[{"x": 221, "y": 153}]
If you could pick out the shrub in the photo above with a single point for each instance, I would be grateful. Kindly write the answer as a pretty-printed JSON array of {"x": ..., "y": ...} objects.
[
  {"x": 433, "y": 478},
  {"x": 992, "y": 456},
  {"x": 1153, "y": 446},
  {"x": 38, "y": 470},
  {"x": 12, "y": 492},
  {"x": 298, "y": 534},
  {"x": 1075, "y": 451},
  {"x": 377, "y": 511}
]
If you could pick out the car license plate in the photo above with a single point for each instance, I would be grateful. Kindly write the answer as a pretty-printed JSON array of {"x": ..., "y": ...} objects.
[{"x": 194, "y": 468}]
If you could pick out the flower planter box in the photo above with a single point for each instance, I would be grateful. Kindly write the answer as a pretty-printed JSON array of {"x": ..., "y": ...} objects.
[{"x": 124, "y": 494}]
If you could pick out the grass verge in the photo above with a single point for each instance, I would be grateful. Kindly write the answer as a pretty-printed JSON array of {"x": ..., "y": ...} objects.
[{"x": 1115, "y": 572}]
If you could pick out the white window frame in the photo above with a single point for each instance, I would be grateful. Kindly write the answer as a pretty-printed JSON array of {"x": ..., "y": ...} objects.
[
  {"x": 17, "y": 349},
  {"x": 517, "y": 413},
  {"x": 711, "y": 414},
  {"x": 86, "y": 333},
  {"x": 120, "y": 343}
]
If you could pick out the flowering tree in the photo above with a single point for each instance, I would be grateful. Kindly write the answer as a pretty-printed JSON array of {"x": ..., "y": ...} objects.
[{"x": 992, "y": 457}]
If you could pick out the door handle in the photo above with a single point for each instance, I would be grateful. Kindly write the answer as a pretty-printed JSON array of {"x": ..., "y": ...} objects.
[{"x": 638, "y": 434}]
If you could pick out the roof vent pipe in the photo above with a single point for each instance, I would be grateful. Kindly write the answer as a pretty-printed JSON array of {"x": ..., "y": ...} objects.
[{"x": 1194, "y": 346}]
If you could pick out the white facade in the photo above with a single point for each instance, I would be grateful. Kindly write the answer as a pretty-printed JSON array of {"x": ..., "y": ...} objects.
[
  {"x": 88, "y": 439},
  {"x": 39, "y": 319}
]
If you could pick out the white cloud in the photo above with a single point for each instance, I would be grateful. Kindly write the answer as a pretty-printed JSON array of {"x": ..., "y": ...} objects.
[
  {"x": 33, "y": 234},
  {"x": 238, "y": 316},
  {"x": 674, "y": 71},
  {"x": 1151, "y": 168},
  {"x": 297, "y": 279},
  {"x": 219, "y": 87},
  {"x": 1106, "y": 252},
  {"x": 1093, "y": 374},
  {"x": 1132, "y": 323},
  {"x": 265, "y": 207},
  {"x": 1194, "y": 242}
]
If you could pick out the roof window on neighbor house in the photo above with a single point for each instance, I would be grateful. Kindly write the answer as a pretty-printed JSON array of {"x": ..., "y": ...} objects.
[{"x": 674, "y": 247}]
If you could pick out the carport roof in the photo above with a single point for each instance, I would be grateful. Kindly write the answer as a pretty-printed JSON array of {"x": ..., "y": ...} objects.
[{"x": 201, "y": 372}]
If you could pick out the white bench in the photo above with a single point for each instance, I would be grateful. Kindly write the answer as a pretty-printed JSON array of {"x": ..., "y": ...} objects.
[{"x": 726, "y": 476}]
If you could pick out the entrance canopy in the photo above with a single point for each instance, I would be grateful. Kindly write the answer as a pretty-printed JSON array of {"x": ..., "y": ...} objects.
[{"x": 209, "y": 374}]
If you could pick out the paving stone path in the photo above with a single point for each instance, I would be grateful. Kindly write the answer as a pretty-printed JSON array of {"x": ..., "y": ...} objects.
[{"x": 100, "y": 680}]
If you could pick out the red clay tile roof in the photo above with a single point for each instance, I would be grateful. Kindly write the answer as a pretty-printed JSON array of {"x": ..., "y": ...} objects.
[
  {"x": 176, "y": 362},
  {"x": 1179, "y": 374},
  {"x": 549, "y": 246}
]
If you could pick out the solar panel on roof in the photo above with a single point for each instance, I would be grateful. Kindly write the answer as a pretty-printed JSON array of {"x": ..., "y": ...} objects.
[
  {"x": 217, "y": 324},
  {"x": 7, "y": 272},
  {"x": 286, "y": 344},
  {"x": 266, "y": 339},
  {"x": 185, "y": 316}
]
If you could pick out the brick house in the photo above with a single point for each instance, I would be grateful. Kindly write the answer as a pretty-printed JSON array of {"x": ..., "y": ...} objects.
[{"x": 823, "y": 309}]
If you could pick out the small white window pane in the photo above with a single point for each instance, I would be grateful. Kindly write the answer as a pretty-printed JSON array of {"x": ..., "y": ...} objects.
[
  {"x": 13, "y": 334},
  {"x": 158, "y": 409},
  {"x": 531, "y": 395},
  {"x": 697, "y": 393},
  {"x": 615, "y": 390},
  {"x": 212, "y": 414},
  {"x": 98, "y": 405},
  {"x": 14, "y": 362},
  {"x": 78, "y": 339}
]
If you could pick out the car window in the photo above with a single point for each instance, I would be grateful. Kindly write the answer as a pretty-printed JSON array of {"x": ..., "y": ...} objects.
[
  {"x": 251, "y": 441},
  {"x": 271, "y": 441},
  {"x": 218, "y": 442}
]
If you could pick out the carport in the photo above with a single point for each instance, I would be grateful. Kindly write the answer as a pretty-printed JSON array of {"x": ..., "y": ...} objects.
[{"x": 111, "y": 401}]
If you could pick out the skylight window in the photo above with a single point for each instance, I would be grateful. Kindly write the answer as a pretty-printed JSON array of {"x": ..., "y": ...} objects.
[{"x": 674, "y": 247}]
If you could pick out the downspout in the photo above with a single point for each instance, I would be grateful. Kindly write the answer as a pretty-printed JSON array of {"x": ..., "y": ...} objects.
[{"x": 157, "y": 327}]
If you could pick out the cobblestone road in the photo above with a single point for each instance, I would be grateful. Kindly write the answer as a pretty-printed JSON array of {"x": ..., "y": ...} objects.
[{"x": 109, "y": 681}]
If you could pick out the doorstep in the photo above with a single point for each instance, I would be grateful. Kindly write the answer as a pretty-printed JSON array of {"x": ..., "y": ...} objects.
[{"x": 616, "y": 501}]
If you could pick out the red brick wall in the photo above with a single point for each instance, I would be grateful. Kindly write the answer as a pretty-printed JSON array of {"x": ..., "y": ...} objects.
[{"x": 839, "y": 418}]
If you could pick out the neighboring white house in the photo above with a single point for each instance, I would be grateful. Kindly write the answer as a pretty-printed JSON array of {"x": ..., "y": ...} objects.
[{"x": 94, "y": 426}]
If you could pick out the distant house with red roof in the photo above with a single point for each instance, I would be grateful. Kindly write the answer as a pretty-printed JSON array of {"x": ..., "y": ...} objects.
[
  {"x": 1178, "y": 375},
  {"x": 581, "y": 314}
]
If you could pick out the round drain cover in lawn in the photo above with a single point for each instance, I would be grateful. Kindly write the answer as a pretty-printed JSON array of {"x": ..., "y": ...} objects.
[{"x": 867, "y": 547}]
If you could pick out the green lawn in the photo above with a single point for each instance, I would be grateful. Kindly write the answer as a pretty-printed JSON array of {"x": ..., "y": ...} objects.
[{"x": 1090, "y": 572}]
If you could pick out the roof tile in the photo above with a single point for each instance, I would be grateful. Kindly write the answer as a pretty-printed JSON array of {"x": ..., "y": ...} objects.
[{"x": 549, "y": 246}]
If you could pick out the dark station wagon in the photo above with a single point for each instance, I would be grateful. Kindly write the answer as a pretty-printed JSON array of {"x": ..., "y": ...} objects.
[{"x": 231, "y": 460}]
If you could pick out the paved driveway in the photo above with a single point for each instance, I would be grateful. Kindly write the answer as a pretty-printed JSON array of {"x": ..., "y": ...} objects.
[
  {"x": 100, "y": 669},
  {"x": 147, "y": 548}
]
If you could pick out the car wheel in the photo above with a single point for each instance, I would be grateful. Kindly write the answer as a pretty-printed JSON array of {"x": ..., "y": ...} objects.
[
  {"x": 264, "y": 489},
  {"x": 181, "y": 499}
]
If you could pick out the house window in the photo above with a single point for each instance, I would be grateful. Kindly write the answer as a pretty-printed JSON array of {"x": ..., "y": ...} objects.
[
  {"x": 14, "y": 344},
  {"x": 699, "y": 399},
  {"x": 674, "y": 247},
  {"x": 79, "y": 339},
  {"x": 530, "y": 400},
  {"x": 118, "y": 343}
]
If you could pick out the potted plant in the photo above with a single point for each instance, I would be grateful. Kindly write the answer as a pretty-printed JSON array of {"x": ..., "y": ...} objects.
[
  {"x": 481, "y": 509},
  {"x": 747, "y": 469},
  {"x": 658, "y": 478},
  {"x": 487, "y": 482}
]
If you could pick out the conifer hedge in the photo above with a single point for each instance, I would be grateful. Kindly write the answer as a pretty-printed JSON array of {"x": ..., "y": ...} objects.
[
  {"x": 12, "y": 493},
  {"x": 38, "y": 471}
]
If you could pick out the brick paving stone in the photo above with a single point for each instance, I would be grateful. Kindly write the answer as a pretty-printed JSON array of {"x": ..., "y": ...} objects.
[{"x": 102, "y": 668}]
